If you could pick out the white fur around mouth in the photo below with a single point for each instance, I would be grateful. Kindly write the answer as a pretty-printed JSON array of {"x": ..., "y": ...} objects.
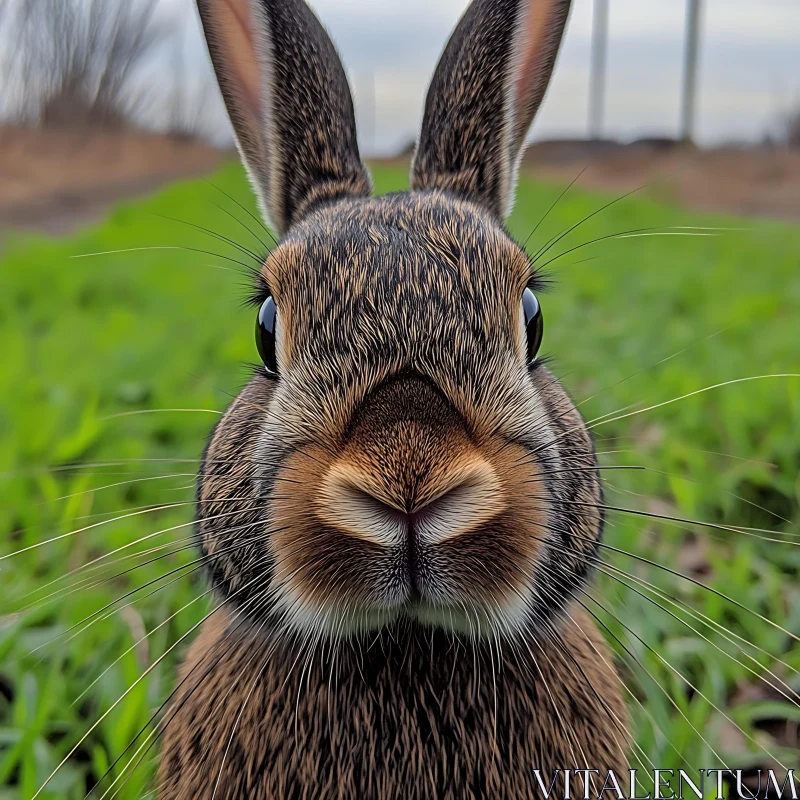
[{"x": 465, "y": 619}]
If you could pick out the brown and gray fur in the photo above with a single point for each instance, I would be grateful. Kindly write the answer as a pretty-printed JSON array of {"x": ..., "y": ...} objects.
[{"x": 400, "y": 524}]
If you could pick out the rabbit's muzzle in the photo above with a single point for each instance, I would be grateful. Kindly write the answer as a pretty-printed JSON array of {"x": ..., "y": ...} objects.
[
  {"x": 414, "y": 516},
  {"x": 410, "y": 478}
]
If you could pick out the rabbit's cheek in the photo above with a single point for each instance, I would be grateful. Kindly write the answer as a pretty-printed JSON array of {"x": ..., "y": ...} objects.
[{"x": 233, "y": 520}]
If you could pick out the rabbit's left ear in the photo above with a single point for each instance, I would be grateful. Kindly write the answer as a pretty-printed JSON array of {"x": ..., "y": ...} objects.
[
  {"x": 288, "y": 100},
  {"x": 487, "y": 87}
]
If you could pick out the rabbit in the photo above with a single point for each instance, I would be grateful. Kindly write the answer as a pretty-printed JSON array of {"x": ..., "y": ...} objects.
[{"x": 401, "y": 509}]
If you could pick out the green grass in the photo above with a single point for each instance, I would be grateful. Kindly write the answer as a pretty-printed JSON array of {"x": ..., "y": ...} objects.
[{"x": 83, "y": 340}]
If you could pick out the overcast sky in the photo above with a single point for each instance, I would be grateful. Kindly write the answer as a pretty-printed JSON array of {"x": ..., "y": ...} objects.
[{"x": 749, "y": 69}]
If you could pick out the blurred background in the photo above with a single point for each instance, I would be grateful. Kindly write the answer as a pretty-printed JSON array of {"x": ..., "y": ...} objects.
[
  {"x": 127, "y": 229},
  {"x": 633, "y": 79}
]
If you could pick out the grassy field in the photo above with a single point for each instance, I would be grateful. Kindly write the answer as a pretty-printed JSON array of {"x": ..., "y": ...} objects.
[{"x": 631, "y": 323}]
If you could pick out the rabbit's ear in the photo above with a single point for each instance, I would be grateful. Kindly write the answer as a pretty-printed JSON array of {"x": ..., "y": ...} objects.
[
  {"x": 487, "y": 86},
  {"x": 289, "y": 102}
]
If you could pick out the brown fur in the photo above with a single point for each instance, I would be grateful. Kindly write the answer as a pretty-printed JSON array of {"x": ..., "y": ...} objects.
[
  {"x": 328, "y": 725},
  {"x": 400, "y": 524}
]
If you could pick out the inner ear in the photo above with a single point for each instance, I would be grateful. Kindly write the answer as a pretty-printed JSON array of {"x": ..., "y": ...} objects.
[
  {"x": 531, "y": 72},
  {"x": 231, "y": 43},
  {"x": 234, "y": 26}
]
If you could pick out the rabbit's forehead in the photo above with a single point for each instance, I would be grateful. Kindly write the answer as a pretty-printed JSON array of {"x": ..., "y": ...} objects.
[
  {"x": 365, "y": 291},
  {"x": 413, "y": 260}
]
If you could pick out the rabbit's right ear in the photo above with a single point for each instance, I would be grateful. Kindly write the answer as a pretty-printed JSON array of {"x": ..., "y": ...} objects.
[
  {"x": 487, "y": 87},
  {"x": 288, "y": 100}
]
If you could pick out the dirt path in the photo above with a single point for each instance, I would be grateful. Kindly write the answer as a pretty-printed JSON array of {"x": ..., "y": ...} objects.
[
  {"x": 763, "y": 182},
  {"x": 55, "y": 181}
]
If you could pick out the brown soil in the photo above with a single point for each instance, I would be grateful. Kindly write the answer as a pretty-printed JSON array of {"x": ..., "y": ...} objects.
[
  {"x": 56, "y": 180},
  {"x": 756, "y": 182}
]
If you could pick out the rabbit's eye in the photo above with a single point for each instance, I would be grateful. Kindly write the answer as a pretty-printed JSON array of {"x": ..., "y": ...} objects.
[
  {"x": 265, "y": 334},
  {"x": 534, "y": 324}
]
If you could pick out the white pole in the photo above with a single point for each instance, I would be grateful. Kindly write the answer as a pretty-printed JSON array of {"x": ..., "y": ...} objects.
[
  {"x": 597, "y": 77},
  {"x": 691, "y": 57}
]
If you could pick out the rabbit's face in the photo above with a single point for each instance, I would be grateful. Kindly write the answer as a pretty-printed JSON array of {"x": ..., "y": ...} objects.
[{"x": 408, "y": 460}]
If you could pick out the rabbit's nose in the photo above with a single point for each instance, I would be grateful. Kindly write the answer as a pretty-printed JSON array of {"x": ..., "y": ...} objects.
[
  {"x": 409, "y": 468},
  {"x": 354, "y": 501}
]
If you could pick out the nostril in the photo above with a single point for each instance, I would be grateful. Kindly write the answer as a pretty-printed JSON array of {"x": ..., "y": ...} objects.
[
  {"x": 361, "y": 512},
  {"x": 452, "y": 503}
]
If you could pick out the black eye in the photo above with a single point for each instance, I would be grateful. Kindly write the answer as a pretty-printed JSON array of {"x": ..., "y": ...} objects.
[
  {"x": 265, "y": 334},
  {"x": 534, "y": 324}
]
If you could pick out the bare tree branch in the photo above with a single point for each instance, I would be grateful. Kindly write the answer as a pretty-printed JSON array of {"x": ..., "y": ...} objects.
[{"x": 74, "y": 61}]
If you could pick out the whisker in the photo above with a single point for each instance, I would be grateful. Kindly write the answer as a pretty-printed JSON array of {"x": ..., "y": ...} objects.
[
  {"x": 654, "y": 365},
  {"x": 247, "y": 267},
  {"x": 685, "y": 680},
  {"x": 138, "y": 643},
  {"x": 117, "y": 484},
  {"x": 751, "y": 503},
  {"x": 641, "y": 666},
  {"x": 242, "y": 225},
  {"x": 556, "y": 239},
  {"x": 588, "y": 558},
  {"x": 622, "y": 684},
  {"x": 84, "y": 583},
  {"x": 541, "y": 478},
  {"x": 604, "y": 568},
  {"x": 143, "y": 538},
  {"x": 696, "y": 392},
  {"x": 218, "y": 236},
  {"x": 554, "y": 204},
  {"x": 746, "y": 531},
  {"x": 247, "y": 211},
  {"x": 631, "y": 234},
  {"x": 130, "y": 688},
  {"x": 697, "y": 583},
  {"x": 90, "y": 527},
  {"x": 101, "y": 615},
  {"x": 156, "y": 733},
  {"x": 255, "y": 682},
  {"x": 160, "y": 411}
]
